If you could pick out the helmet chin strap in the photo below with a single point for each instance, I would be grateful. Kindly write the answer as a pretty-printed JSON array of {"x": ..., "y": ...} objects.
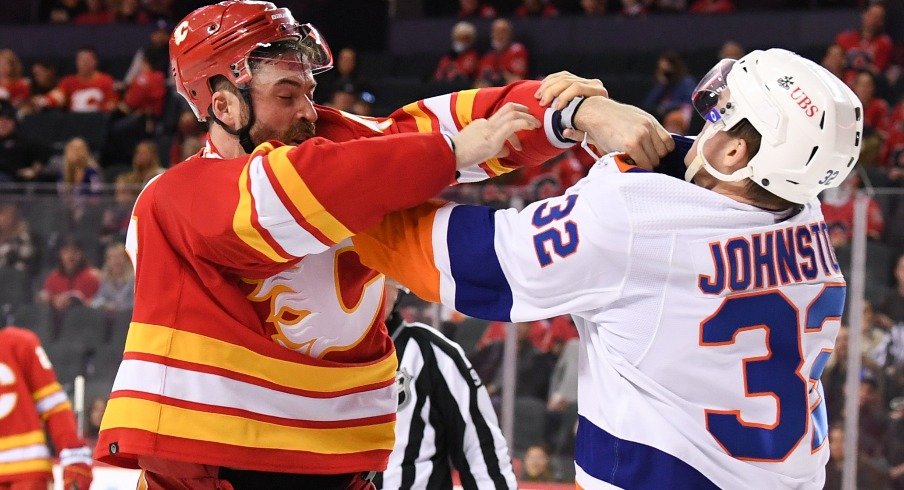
[
  {"x": 701, "y": 162},
  {"x": 244, "y": 133}
]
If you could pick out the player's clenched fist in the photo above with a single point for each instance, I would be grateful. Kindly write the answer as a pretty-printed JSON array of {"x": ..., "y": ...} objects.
[
  {"x": 612, "y": 126},
  {"x": 564, "y": 86},
  {"x": 483, "y": 139}
]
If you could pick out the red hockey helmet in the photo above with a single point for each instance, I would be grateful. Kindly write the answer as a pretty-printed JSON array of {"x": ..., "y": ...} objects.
[{"x": 218, "y": 40}]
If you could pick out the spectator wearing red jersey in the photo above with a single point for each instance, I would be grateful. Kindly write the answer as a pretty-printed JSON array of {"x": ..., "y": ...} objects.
[
  {"x": 506, "y": 62},
  {"x": 712, "y": 7},
  {"x": 89, "y": 90},
  {"x": 475, "y": 9},
  {"x": 461, "y": 62},
  {"x": 146, "y": 93},
  {"x": 838, "y": 209},
  {"x": 536, "y": 8},
  {"x": 132, "y": 12},
  {"x": 43, "y": 77},
  {"x": 834, "y": 61},
  {"x": 73, "y": 281},
  {"x": 13, "y": 86},
  {"x": 867, "y": 48},
  {"x": 876, "y": 113},
  {"x": 97, "y": 14}
]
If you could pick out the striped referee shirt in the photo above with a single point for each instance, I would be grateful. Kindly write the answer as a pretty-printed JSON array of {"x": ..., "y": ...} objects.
[{"x": 445, "y": 418}]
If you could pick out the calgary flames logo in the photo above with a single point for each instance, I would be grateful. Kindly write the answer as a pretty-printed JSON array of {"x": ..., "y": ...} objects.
[{"x": 314, "y": 318}]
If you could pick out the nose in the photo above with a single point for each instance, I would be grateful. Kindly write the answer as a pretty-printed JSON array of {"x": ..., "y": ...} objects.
[{"x": 307, "y": 110}]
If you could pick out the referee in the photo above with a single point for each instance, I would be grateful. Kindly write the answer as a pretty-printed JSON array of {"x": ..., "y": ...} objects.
[{"x": 445, "y": 417}]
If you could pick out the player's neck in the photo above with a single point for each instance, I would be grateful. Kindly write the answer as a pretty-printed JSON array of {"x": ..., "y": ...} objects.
[{"x": 227, "y": 145}]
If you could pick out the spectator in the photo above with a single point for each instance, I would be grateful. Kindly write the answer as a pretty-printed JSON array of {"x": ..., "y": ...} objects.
[
  {"x": 834, "y": 61},
  {"x": 156, "y": 52},
  {"x": 835, "y": 466},
  {"x": 475, "y": 9},
  {"x": 13, "y": 86},
  {"x": 64, "y": 11},
  {"x": 867, "y": 48},
  {"x": 712, "y": 7},
  {"x": 345, "y": 72},
  {"x": 892, "y": 306},
  {"x": 838, "y": 209},
  {"x": 873, "y": 426},
  {"x": 95, "y": 414},
  {"x": 562, "y": 405},
  {"x": 146, "y": 92},
  {"x": 89, "y": 90},
  {"x": 344, "y": 97},
  {"x": 43, "y": 78},
  {"x": 461, "y": 62},
  {"x": 876, "y": 112},
  {"x": 117, "y": 281},
  {"x": 19, "y": 158},
  {"x": 673, "y": 88},
  {"x": 731, "y": 50},
  {"x": 74, "y": 281},
  {"x": 894, "y": 443},
  {"x": 530, "y": 362},
  {"x": 188, "y": 138},
  {"x": 593, "y": 7},
  {"x": 536, "y": 8},
  {"x": 131, "y": 12},
  {"x": 675, "y": 121},
  {"x": 81, "y": 173},
  {"x": 145, "y": 164},
  {"x": 96, "y": 13},
  {"x": 536, "y": 465},
  {"x": 116, "y": 218},
  {"x": 506, "y": 62},
  {"x": 16, "y": 249}
]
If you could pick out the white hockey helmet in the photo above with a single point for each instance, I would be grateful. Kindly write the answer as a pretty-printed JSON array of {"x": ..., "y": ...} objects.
[{"x": 810, "y": 121}]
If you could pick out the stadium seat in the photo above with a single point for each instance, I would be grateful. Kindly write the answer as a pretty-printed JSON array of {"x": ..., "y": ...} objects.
[
  {"x": 55, "y": 128},
  {"x": 35, "y": 317},
  {"x": 83, "y": 325},
  {"x": 15, "y": 287}
]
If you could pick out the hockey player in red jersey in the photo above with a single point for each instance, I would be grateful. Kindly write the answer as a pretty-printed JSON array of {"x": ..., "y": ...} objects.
[
  {"x": 256, "y": 357},
  {"x": 31, "y": 400}
]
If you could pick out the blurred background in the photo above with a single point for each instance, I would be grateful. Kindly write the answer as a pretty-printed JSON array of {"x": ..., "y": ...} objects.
[{"x": 88, "y": 114}]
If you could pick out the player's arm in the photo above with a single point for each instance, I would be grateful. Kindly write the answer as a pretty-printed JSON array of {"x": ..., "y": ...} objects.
[
  {"x": 54, "y": 408},
  {"x": 554, "y": 257}
]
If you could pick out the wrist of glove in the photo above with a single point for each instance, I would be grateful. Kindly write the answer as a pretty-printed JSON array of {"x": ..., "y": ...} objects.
[{"x": 77, "y": 476}]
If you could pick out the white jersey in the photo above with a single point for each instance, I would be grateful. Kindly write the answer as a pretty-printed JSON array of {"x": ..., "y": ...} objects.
[{"x": 704, "y": 323}]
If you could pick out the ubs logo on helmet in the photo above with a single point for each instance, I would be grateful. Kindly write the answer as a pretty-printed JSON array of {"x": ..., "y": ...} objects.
[{"x": 799, "y": 96}]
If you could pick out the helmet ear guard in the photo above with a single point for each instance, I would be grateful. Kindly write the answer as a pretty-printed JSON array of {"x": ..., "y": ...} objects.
[{"x": 810, "y": 122}]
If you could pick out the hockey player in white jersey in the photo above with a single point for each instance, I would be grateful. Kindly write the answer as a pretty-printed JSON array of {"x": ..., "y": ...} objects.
[{"x": 706, "y": 309}]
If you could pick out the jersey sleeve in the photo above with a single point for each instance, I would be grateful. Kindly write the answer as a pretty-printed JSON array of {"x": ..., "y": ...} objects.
[{"x": 557, "y": 256}]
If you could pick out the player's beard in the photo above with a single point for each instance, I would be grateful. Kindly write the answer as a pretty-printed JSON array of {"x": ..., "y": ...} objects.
[{"x": 295, "y": 135}]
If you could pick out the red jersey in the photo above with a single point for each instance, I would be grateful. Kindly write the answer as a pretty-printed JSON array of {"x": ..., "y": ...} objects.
[
  {"x": 83, "y": 285},
  {"x": 876, "y": 114},
  {"x": 893, "y": 149},
  {"x": 842, "y": 215},
  {"x": 877, "y": 49},
  {"x": 15, "y": 91},
  {"x": 457, "y": 65},
  {"x": 85, "y": 95},
  {"x": 30, "y": 400},
  {"x": 513, "y": 59},
  {"x": 146, "y": 93},
  {"x": 257, "y": 340}
]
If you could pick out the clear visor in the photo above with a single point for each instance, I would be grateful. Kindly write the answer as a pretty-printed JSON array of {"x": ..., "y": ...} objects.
[
  {"x": 708, "y": 92},
  {"x": 310, "y": 51}
]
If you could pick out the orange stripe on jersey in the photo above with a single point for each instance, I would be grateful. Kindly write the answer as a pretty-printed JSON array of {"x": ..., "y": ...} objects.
[
  {"x": 47, "y": 390},
  {"x": 464, "y": 106},
  {"x": 28, "y": 466},
  {"x": 496, "y": 167},
  {"x": 622, "y": 163},
  {"x": 22, "y": 440},
  {"x": 134, "y": 413},
  {"x": 411, "y": 261},
  {"x": 302, "y": 197},
  {"x": 191, "y": 347},
  {"x": 243, "y": 224},
  {"x": 424, "y": 123}
]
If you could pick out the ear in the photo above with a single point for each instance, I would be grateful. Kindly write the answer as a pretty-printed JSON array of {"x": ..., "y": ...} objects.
[
  {"x": 227, "y": 108},
  {"x": 736, "y": 154}
]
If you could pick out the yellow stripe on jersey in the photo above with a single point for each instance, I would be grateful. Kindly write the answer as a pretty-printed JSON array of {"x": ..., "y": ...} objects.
[
  {"x": 191, "y": 347},
  {"x": 302, "y": 197},
  {"x": 136, "y": 413},
  {"x": 28, "y": 466},
  {"x": 424, "y": 124},
  {"x": 244, "y": 228},
  {"x": 22, "y": 440},
  {"x": 47, "y": 390},
  {"x": 464, "y": 106},
  {"x": 59, "y": 408},
  {"x": 497, "y": 167}
]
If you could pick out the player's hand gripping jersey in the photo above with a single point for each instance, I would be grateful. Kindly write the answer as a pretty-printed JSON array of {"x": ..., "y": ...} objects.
[
  {"x": 704, "y": 330},
  {"x": 257, "y": 343},
  {"x": 30, "y": 400}
]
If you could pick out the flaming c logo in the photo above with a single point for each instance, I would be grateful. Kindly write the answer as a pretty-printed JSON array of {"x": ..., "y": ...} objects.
[{"x": 180, "y": 33}]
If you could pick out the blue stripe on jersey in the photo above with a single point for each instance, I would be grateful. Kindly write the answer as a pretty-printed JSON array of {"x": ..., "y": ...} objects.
[
  {"x": 631, "y": 465},
  {"x": 481, "y": 289}
]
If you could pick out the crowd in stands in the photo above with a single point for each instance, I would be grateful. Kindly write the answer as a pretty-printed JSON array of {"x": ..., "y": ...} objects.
[{"x": 65, "y": 247}]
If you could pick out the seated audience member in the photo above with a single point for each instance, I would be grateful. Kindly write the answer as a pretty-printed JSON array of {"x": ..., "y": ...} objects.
[
  {"x": 97, "y": 13},
  {"x": 117, "y": 281},
  {"x": 731, "y": 50},
  {"x": 17, "y": 155},
  {"x": 712, "y": 7},
  {"x": 562, "y": 405},
  {"x": 892, "y": 306},
  {"x": 894, "y": 446},
  {"x": 16, "y": 248},
  {"x": 156, "y": 52},
  {"x": 506, "y": 62},
  {"x": 834, "y": 61},
  {"x": 530, "y": 362},
  {"x": 65, "y": 11},
  {"x": 146, "y": 92},
  {"x": 461, "y": 62},
  {"x": 867, "y": 47},
  {"x": 81, "y": 172},
  {"x": 475, "y": 9},
  {"x": 188, "y": 138},
  {"x": 673, "y": 86},
  {"x": 88, "y": 90},
  {"x": 95, "y": 415},
  {"x": 13, "y": 86},
  {"x": 345, "y": 72},
  {"x": 43, "y": 78},
  {"x": 145, "y": 164},
  {"x": 838, "y": 209},
  {"x": 131, "y": 12},
  {"x": 536, "y": 8},
  {"x": 116, "y": 218},
  {"x": 535, "y": 467},
  {"x": 876, "y": 112},
  {"x": 344, "y": 97},
  {"x": 74, "y": 281},
  {"x": 593, "y": 7}
]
